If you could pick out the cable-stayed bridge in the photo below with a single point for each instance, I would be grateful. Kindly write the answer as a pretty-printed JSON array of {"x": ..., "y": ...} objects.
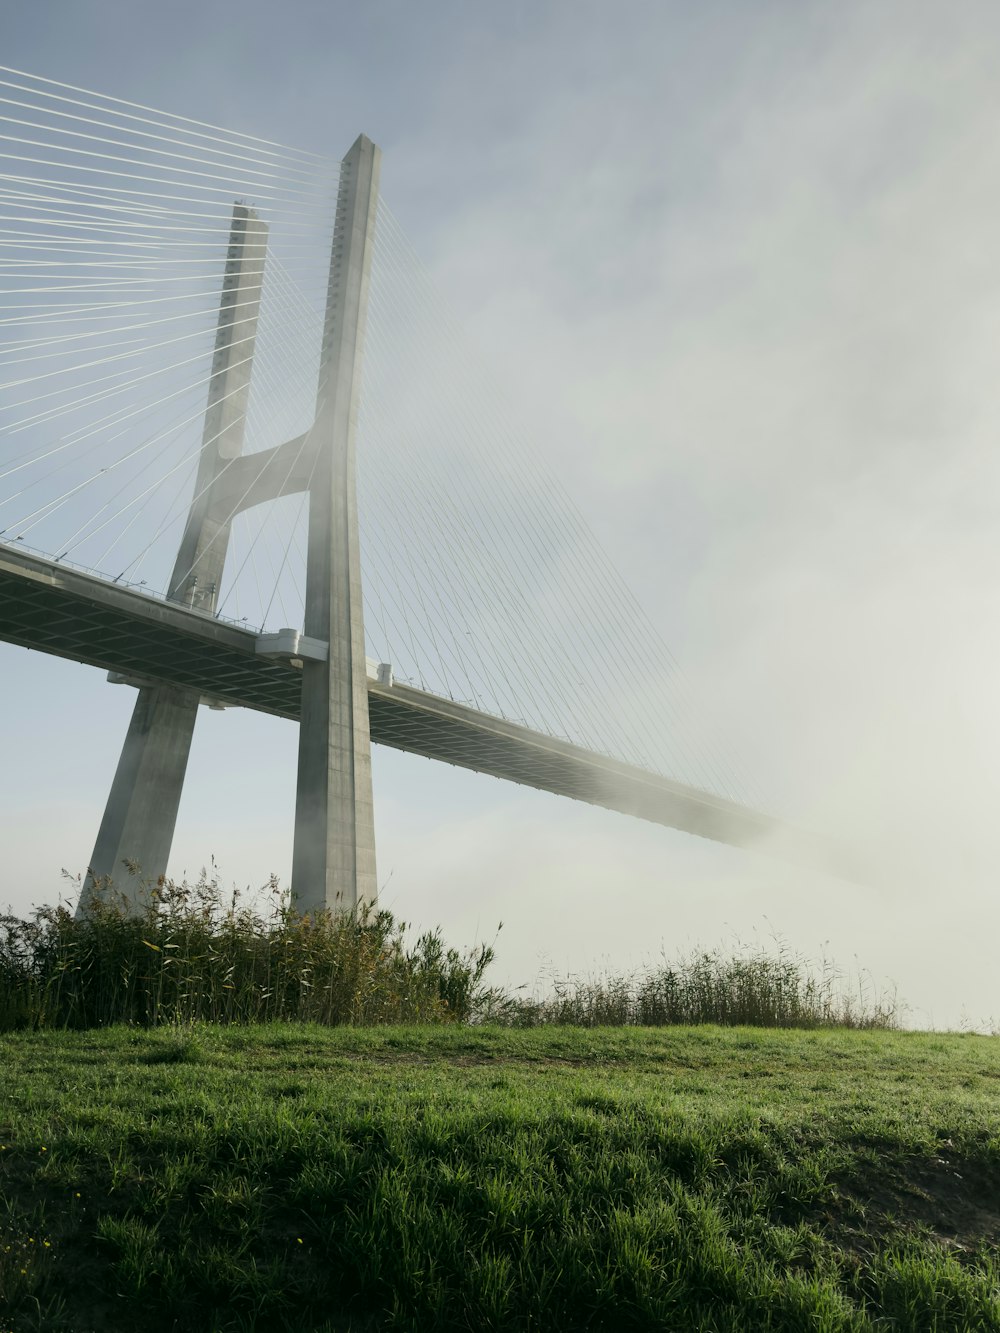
[{"x": 247, "y": 460}]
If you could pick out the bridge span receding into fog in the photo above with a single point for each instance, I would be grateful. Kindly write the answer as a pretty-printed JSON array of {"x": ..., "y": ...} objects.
[{"x": 141, "y": 638}]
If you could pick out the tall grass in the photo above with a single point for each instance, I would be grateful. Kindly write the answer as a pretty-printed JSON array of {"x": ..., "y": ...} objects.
[
  {"x": 748, "y": 987},
  {"x": 191, "y": 957}
]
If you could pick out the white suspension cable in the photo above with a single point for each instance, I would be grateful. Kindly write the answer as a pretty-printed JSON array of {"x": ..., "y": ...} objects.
[
  {"x": 200, "y": 155},
  {"x": 229, "y": 135},
  {"x": 451, "y": 369}
]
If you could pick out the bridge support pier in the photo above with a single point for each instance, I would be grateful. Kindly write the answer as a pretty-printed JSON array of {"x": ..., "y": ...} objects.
[
  {"x": 141, "y": 813},
  {"x": 333, "y": 863}
]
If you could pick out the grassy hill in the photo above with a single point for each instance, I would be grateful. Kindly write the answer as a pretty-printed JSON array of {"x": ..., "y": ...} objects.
[{"x": 297, "y": 1177}]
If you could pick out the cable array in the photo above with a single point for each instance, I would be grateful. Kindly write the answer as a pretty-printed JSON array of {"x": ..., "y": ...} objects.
[
  {"x": 483, "y": 581},
  {"x": 114, "y": 227}
]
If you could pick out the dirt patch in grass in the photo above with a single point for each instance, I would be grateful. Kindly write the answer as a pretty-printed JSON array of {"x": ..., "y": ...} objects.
[{"x": 956, "y": 1200}]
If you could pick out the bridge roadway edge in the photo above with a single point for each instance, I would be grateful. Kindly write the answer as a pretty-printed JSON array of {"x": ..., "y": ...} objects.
[{"x": 66, "y": 612}]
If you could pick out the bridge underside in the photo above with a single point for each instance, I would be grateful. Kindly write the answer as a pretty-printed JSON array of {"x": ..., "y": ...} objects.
[{"x": 59, "y": 610}]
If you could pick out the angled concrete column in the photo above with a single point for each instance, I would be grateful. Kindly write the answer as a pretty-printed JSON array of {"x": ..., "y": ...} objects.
[
  {"x": 201, "y": 557},
  {"x": 333, "y": 863},
  {"x": 138, "y": 824},
  {"x": 141, "y": 813}
]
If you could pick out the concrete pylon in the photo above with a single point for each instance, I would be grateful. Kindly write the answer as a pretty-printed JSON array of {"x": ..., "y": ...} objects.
[
  {"x": 201, "y": 556},
  {"x": 333, "y": 864},
  {"x": 141, "y": 812}
]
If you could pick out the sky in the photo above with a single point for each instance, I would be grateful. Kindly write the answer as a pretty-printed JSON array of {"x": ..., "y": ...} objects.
[{"x": 735, "y": 267}]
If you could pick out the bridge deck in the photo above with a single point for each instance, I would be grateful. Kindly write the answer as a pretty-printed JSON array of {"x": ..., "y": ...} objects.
[{"x": 57, "y": 609}]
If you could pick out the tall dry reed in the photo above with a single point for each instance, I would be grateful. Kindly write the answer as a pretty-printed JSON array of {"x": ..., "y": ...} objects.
[
  {"x": 750, "y": 988},
  {"x": 189, "y": 956}
]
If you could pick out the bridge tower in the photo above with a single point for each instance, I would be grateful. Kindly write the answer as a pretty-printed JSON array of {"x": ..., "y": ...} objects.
[{"x": 334, "y": 850}]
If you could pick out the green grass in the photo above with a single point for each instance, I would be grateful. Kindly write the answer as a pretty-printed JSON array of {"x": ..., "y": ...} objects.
[{"x": 446, "y": 1177}]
